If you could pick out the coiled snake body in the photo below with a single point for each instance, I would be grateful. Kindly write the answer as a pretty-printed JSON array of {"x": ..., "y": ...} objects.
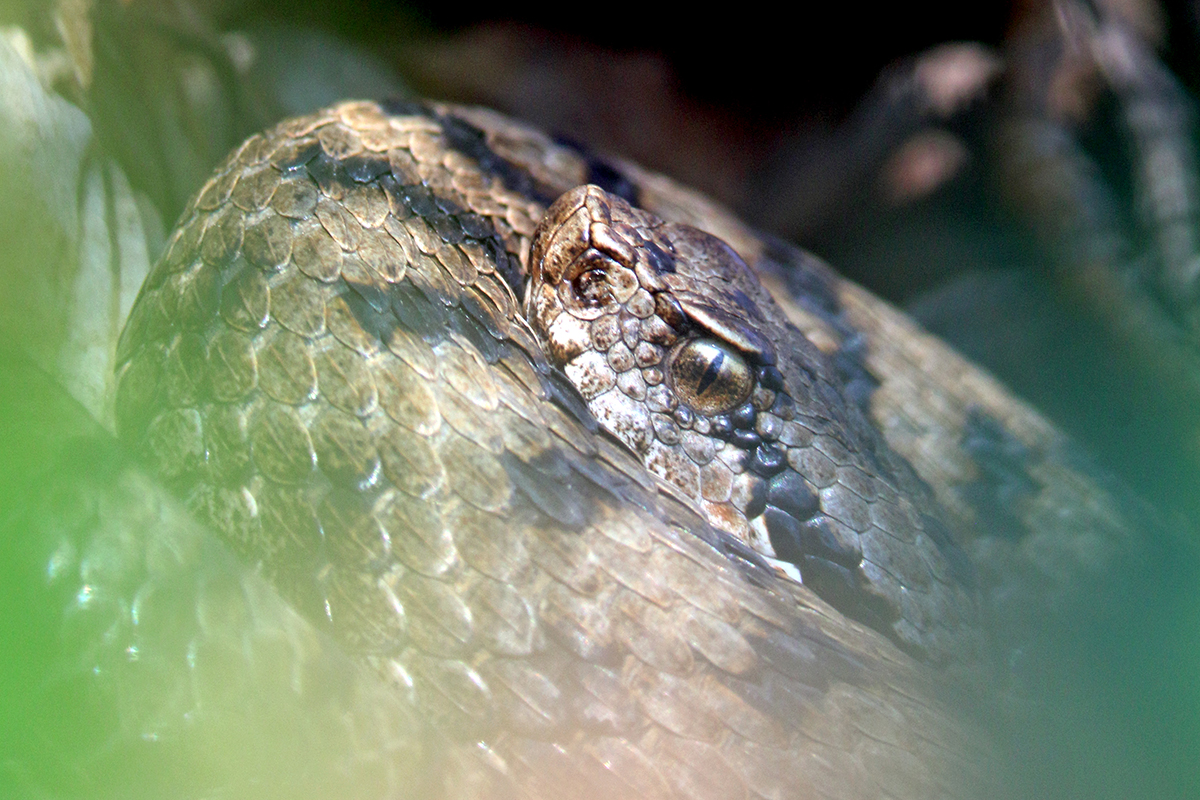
[{"x": 584, "y": 579}]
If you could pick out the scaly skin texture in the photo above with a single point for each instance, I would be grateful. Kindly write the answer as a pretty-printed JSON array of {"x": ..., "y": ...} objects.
[{"x": 331, "y": 365}]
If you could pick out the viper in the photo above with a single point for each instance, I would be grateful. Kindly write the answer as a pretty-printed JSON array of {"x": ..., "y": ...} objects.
[{"x": 622, "y": 497}]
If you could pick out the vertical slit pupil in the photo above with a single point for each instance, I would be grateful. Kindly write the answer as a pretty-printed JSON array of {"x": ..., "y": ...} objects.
[{"x": 711, "y": 372}]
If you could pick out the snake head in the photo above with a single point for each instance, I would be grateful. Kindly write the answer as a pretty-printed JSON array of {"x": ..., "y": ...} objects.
[
  {"x": 671, "y": 364},
  {"x": 684, "y": 356}
]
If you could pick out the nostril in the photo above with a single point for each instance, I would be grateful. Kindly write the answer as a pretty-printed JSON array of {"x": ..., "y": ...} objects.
[{"x": 591, "y": 290}]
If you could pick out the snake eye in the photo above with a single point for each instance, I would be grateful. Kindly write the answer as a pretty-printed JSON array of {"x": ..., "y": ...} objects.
[{"x": 709, "y": 376}]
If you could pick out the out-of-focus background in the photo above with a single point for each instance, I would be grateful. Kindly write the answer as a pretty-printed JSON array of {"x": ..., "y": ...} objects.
[{"x": 1021, "y": 177}]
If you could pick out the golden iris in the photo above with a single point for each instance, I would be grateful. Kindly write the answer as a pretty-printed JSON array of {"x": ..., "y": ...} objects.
[{"x": 710, "y": 376}]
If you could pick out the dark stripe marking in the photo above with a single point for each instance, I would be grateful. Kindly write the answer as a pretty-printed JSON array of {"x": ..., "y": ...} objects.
[
  {"x": 603, "y": 173},
  {"x": 469, "y": 140},
  {"x": 1004, "y": 481}
]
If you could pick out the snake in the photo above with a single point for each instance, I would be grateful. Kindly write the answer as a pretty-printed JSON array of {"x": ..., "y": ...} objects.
[{"x": 623, "y": 497}]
